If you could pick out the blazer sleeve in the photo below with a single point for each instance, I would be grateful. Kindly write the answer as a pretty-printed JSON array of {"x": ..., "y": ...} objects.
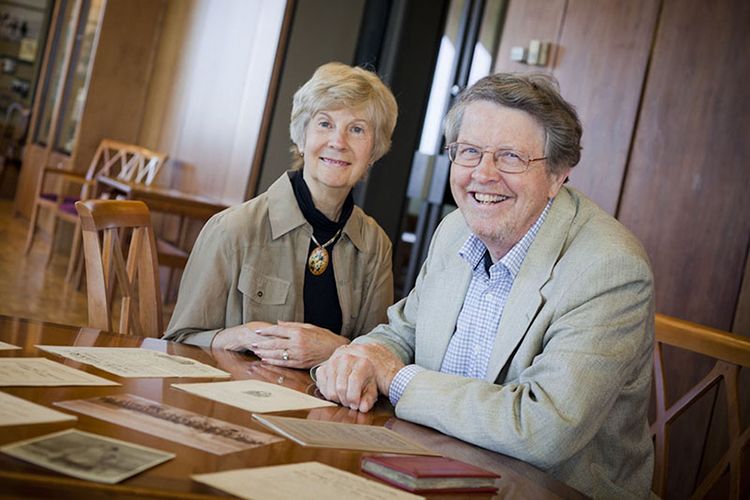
[
  {"x": 209, "y": 278},
  {"x": 594, "y": 344}
]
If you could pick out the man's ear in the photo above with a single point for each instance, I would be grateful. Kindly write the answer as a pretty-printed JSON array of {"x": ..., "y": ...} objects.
[{"x": 557, "y": 180}]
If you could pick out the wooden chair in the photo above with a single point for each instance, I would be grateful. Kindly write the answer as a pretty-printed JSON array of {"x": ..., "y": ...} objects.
[
  {"x": 137, "y": 277},
  {"x": 126, "y": 162},
  {"x": 731, "y": 353}
]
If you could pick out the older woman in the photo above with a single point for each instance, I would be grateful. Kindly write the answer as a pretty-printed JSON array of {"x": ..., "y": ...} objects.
[{"x": 299, "y": 270}]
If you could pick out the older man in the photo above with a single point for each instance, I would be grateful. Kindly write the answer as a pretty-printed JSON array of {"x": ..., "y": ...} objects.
[{"x": 530, "y": 328}]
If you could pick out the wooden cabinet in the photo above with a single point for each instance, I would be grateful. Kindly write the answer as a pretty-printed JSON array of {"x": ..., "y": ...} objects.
[{"x": 96, "y": 70}]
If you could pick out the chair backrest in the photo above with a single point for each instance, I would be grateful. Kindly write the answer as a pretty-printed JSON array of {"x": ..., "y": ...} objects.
[
  {"x": 126, "y": 162},
  {"x": 731, "y": 353},
  {"x": 137, "y": 277}
]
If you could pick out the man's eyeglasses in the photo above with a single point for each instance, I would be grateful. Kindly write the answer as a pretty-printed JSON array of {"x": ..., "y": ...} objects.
[{"x": 506, "y": 160}]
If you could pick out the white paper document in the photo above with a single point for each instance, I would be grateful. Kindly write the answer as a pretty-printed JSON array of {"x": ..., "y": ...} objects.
[
  {"x": 322, "y": 434},
  {"x": 87, "y": 456},
  {"x": 44, "y": 372},
  {"x": 254, "y": 395},
  {"x": 4, "y": 346},
  {"x": 18, "y": 411},
  {"x": 307, "y": 480},
  {"x": 131, "y": 362}
]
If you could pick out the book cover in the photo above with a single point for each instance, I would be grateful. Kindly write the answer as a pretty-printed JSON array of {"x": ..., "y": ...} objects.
[{"x": 421, "y": 474}]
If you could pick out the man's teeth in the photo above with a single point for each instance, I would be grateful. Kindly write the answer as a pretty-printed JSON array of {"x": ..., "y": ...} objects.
[{"x": 489, "y": 198}]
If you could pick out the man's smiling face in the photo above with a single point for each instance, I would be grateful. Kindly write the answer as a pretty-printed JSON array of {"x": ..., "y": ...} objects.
[{"x": 500, "y": 207}]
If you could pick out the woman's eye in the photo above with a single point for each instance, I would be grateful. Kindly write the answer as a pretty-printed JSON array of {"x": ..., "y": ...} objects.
[
  {"x": 324, "y": 124},
  {"x": 358, "y": 129}
]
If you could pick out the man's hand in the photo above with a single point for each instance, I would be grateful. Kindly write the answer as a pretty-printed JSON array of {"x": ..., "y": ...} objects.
[
  {"x": 302, "y": 344},
  {"x": 355, "y": 374}
]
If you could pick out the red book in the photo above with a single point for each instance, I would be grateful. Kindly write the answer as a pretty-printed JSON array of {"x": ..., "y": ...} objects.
[{"x": 424, "y": 474}]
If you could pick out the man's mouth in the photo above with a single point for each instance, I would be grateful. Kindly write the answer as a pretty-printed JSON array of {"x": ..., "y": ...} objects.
[
  {"x": 488, "y": 199},
  {"x": 332, "y": 161}
]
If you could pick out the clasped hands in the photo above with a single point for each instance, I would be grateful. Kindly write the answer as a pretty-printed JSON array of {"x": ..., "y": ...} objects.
[
  {"x": 288, "y": 344},
  {"x": 355, "y": 374}
]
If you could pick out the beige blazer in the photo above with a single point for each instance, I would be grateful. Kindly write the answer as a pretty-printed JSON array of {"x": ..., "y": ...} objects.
[
  {"x": 569, "y": 377},
  {"x": 248, "y": 264}
]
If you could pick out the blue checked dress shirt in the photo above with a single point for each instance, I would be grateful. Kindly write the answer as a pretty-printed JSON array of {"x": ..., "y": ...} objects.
[{"x": 470, "y": 347}]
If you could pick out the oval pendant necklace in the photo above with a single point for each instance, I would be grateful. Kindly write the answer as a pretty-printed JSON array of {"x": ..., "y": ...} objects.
[{"x": 318, "y": 260}]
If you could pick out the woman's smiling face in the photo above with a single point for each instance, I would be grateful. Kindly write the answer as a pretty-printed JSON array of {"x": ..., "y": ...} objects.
[{"x": 338, "y": 149}]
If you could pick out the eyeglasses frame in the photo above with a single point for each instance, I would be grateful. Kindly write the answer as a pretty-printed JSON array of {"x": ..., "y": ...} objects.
[{"x": 527, "y": 162}]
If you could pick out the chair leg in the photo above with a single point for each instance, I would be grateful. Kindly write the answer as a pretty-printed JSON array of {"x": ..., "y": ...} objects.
[
  {"x": 53, "y": 237},
  {"x": 32, "y": 228},
  {"x": 75, "y": 251}
]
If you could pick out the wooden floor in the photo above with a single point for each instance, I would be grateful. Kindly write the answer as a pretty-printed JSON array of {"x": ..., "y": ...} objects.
[{"x": 28, "y": 288}]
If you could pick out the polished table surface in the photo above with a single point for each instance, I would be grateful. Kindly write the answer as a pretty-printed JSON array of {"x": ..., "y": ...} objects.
[{"x": 172, "y": 478}]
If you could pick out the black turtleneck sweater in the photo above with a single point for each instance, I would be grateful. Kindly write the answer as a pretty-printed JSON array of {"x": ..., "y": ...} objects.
[{"x": 321, "y": 300}]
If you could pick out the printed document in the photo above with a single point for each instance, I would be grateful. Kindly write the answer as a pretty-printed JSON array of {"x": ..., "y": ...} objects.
[{"x": 131, "y": 362}]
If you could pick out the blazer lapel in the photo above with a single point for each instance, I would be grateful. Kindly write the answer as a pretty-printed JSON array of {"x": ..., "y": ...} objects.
[
  {"x": 444, "y": 306},
  {"x": 525, "y": 297}
]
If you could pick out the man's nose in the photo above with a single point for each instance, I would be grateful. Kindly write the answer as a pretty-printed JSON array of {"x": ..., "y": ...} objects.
[{"x": 486, "y": 170}]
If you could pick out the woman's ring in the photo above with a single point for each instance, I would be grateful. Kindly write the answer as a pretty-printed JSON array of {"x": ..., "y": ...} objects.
[{"x": 285, "y": 355}]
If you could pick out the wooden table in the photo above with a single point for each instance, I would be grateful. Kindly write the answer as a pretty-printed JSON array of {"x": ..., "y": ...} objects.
[
  {"x": 160, "y": 199},
  {"x": 172, "y": 479}
]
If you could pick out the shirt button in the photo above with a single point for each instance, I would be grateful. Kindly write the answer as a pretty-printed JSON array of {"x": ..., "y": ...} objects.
[
  {"x": 489, "y": 297},
  {"x": 260, "y": 293}
]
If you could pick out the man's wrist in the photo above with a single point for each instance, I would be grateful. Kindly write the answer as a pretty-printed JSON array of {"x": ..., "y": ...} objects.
[{"x": 400, "y": 381}]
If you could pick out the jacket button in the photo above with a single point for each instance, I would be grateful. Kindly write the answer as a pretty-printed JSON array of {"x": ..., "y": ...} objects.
[{"x": 260, "y": 293}]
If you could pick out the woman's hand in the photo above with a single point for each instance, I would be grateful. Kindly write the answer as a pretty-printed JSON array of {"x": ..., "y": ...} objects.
[
  {"x": 302, "y": 344},
  {"x": 240, "y": 337}
]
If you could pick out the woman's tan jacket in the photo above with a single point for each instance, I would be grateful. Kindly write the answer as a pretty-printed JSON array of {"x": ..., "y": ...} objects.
[{"x": 248, "y": 264}]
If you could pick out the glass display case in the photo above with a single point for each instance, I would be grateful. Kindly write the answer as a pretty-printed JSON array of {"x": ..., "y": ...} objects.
[
  {"x": 93, "y": 84},
  {"x": 69, "y": 68}
]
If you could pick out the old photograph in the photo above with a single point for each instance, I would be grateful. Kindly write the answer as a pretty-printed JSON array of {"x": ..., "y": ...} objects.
[{"x": 87, "y": 456}]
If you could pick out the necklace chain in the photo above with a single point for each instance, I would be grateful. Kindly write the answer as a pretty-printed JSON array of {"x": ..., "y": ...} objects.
[{"x": 324, "y": 245}]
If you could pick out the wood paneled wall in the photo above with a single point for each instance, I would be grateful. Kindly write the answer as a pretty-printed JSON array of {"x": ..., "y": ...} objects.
[
  {"x": 662, "y": 89},
  {"x": 600, "y": 51}
]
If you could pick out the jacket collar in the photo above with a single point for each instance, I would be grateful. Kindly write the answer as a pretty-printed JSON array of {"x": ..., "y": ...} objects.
[
  {"x": 285, "y": 215},
  {"x": 525, "y": 297}
]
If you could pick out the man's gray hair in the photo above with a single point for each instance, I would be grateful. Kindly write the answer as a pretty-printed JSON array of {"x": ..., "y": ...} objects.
[{"x": 537, "y": 94}]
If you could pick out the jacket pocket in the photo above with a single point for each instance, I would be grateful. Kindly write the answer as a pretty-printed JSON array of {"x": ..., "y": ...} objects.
[{"x": 260, "y": 289}]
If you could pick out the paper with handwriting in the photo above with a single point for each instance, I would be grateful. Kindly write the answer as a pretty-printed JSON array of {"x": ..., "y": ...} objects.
[
  {"x": 18, "y": 411},
  {"x": 254, "y": 395},
  {"x": 44, "y": 372},
  {"x": 302, "y": 481},
  {"x": 132, "y": 362},
  {"x": 323, "y": 434}
]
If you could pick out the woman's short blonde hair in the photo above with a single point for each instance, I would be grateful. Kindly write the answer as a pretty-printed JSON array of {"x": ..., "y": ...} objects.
[{"x": 335, "y": 86}]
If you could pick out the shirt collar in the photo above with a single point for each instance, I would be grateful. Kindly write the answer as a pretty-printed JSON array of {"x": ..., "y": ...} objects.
[
  {"x": 285, "y": 215},
  {"x": 473, "y": 249}
]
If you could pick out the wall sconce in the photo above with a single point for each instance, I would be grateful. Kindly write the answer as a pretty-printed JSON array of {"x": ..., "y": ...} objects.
[{"x": 535, "y": 55}]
